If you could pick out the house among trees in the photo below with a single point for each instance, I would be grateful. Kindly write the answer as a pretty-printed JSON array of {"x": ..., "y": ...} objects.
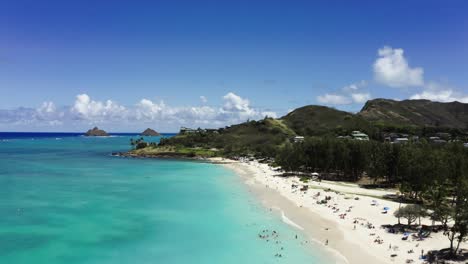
[
  {"x": 358, "y": 135},
  {"x": 443, "y": 135},
  {"x": 210, "y": 130},
  {"x": 344, "y": 137},
  {"x": 297, "y": 139},
  {"x": 401, "y": 140},
  {"x": 186, "y": 130},
  {"x": 437, "y": 140},
  {"x": 390, "y": 137}
]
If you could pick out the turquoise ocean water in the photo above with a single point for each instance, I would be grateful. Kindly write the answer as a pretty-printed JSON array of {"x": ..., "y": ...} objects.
[{"x": 64, "y": 199}]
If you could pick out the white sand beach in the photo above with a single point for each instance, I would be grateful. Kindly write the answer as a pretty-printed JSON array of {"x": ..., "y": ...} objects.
[{"x": 349, "y": 224}]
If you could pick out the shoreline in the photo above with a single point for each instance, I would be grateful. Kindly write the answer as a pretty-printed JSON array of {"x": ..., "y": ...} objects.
[
  {"x": 352, "y": 225},
  {"x": 316, "y": 228}
]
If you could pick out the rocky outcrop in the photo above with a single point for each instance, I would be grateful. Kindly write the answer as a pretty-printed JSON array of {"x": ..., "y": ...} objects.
[
  {"x": 96, "y": 132},
  {"x": 150, "y": 133}
]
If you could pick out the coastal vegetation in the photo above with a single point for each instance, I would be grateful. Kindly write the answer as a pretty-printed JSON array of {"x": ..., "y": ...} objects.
[
  {"x": 172, "y": 152},
  {"x": 411, "y": 212},
  {"x": 140, "y": 143},
  {"x": 434, "y": 178},
  {"x": 263, "y": 137},
  {"x": 151, "y": 149}
]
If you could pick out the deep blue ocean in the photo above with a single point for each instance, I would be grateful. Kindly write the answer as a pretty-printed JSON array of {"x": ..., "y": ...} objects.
[{"x": 65, "y": 199}]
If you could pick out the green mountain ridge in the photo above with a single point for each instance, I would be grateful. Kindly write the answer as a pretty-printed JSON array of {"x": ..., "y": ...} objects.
[
  {"x": 379, "y": 115},
  {"x": 418, "y": 113},
  {"x": 316, "y": 120}
]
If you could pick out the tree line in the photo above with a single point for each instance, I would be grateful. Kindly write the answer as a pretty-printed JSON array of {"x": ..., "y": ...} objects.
[{"x": 433, "y": 176}]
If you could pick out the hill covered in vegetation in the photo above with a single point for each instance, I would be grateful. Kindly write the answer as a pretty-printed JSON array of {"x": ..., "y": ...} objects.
[
  {"x": 416, "y": 113},
  {"x": 316, "y": 120},
  {"x": 262, "y": 136}
]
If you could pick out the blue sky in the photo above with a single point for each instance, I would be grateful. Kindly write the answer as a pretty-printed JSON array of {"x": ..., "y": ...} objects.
[{"x": 127, "y": 65}]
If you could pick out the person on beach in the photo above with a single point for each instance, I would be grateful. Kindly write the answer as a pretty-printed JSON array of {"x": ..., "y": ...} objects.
[{"x": 326, "y": 243}]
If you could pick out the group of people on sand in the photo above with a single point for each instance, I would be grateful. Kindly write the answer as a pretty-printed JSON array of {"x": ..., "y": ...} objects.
[
  {"x": 358, "y": 221},
  {"x": 364, "y": 223},
  {"x": 378, "y": 240}
]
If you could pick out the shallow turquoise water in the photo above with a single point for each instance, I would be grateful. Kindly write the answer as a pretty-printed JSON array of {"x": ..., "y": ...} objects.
[{"x": 68, "y": 201}]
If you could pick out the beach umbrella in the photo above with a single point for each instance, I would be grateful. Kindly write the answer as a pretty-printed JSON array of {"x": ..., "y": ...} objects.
[
  {"x": 386, "y": 208},
  {"x": 406, "y": 234}
]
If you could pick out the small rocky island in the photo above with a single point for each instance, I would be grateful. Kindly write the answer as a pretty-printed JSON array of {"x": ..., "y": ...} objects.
[
  {"x": 150, "y": 133},
  {"x": 96, "y": 132}
]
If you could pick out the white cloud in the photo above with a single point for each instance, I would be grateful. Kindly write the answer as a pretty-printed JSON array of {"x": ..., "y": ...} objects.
[
  {"x": 18, "y": 115},
  {"x": 235, "y": 103},
  {"x": 46, "y": 114},
  {"x": 334, "y": 99},
  {"x": 238, "y": 109},
  {"x": 347, "y": 95},
  {"x": 355, "y": 86},
  {"x": 234, "y": 109},
  {"x": 54, "y": 123},
  {"x": 47, "y": 107},
  {"x": 269, "y": 114},
  {"x": 147, "y": 110},
  {"x": 204, "y": 99},
  {"x": 199, "y": 114},
  {"x": 436, "y": 92},
  {"x": 85, "y": 111},
  {"x": 360, "y": 97},
  {"x": 392, "y": 69},
  {"x": 85, "y": 108}
]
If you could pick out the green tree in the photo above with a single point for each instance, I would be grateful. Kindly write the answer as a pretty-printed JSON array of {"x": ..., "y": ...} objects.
[
  {"x": 376, "y": 165},
  {"x": 458, "y": 232},
  {"x": 410, "y": 212}
]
